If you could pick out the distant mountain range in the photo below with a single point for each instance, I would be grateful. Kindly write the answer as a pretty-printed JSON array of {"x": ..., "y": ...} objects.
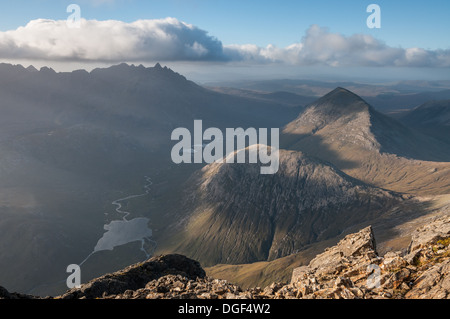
[{"x": 385, "y": 97}]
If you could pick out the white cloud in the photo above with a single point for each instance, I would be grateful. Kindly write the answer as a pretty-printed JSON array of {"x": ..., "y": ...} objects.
[
  {"x": 113, "y": 41},
  {"x": 320, "y": 47},
  {"x": 172, "y": 40}
]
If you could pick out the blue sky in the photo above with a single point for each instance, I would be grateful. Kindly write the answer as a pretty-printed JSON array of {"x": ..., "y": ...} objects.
[
  {"x": 425, "y": 24},
  {"x": 323, "y": 33}
]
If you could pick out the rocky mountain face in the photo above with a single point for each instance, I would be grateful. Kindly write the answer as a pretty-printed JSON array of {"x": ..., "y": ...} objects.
[
  {"x": 343, "y": 129},
  {"x": 233, "y": 214},
  {"x": 350, "y": 270},
  {"x": 353, "y": 269}
]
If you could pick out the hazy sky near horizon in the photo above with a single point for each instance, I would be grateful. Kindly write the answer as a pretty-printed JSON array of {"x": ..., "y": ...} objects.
[{"x": 322, "y": 33}]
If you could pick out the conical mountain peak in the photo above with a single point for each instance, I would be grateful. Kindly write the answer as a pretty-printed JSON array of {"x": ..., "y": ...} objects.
[
  {"x": 341, "y": 101},
  {"x": 343, "y": 91},
  {"x": 340, "y": 108},
  {"x": 31, "y": 68}
]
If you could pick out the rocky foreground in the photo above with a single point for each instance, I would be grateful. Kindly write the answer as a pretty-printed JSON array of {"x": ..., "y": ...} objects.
[{"x": 351, "y": 269}]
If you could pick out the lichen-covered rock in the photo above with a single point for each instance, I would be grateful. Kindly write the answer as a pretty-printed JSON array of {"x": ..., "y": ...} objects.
[
  {"x": 352, "y": 267},
  {"x": 354, "y": 246},
  {"x": 436, "y": 232},
  {"x": 434, "y": 283},
  {"x": 393, "y": 261}
]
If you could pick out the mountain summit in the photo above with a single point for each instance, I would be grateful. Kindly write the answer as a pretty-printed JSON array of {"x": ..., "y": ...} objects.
[
  {"x": 341, "y": 114},
  {"x": 340, "y": 102}
]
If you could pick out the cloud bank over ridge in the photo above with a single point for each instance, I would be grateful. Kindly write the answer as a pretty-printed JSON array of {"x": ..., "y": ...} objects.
[{"x": 173, "y": 40}]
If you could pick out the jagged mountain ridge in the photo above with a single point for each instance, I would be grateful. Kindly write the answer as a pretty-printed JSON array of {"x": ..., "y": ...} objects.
[
  {"x": 343, "y": 129},
  {"x": 155, "y": 96}
]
